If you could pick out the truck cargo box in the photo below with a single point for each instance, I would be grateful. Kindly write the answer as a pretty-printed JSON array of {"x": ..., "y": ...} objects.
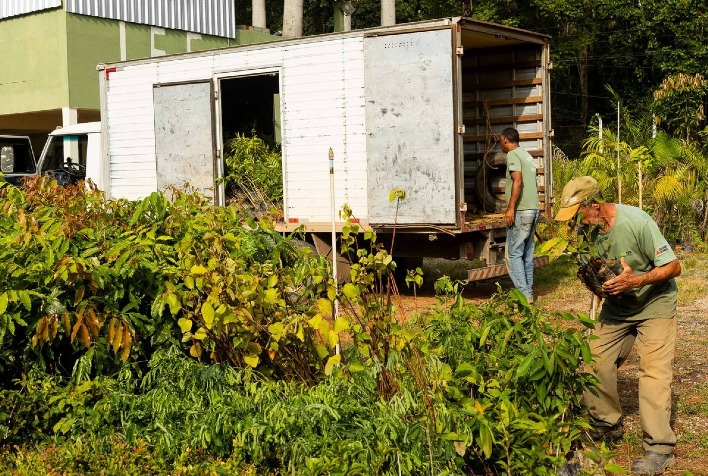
[{"x": 413, "y": 107}]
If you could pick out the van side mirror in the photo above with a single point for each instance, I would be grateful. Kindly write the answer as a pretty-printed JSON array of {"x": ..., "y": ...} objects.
[{"x": 7, "y": 159}]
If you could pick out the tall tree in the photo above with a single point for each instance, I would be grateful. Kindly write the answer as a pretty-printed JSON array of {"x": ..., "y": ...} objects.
[
  {"x": 259, "y": 13},
  {"x": 292, "y": 18}
]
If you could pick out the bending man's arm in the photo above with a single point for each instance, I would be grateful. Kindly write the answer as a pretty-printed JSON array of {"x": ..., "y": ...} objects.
[{"x": 628, "y": 280}]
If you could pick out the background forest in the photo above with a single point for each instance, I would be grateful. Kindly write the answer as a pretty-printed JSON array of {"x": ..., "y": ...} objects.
[{"x": 646, "y": 58}]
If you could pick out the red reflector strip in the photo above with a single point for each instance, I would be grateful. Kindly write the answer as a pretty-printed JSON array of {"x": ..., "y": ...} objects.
[
  {"x": 354, "y": 220},
  {"x": 293, "y": 220},
  {"x": 109, "y": 71}
]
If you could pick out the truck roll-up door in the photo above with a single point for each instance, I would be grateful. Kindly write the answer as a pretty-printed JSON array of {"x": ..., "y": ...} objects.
[
  {"x": 184, "y": 140},
  {"x": 410, "y": 127}
]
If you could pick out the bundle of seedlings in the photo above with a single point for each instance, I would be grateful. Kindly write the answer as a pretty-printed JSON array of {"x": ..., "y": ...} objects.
[{"x": 586, "y": 247}]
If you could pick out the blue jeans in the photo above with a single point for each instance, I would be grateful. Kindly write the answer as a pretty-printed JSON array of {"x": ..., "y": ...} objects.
[{"x": 519, "y": 250}]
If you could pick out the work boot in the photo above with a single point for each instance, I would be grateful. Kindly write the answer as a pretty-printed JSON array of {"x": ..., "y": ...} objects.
[
  {"x": 653, "y": 463},
  {"x": 606, "y": 433}
]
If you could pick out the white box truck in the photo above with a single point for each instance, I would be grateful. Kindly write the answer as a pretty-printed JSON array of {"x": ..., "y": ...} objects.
[{"x": 412, "y": 107}]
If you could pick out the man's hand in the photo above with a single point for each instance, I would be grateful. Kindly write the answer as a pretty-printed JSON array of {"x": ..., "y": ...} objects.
[
  {"x": 629, "y": 280},
  {"x": 625, "y": 281},
  {"x": 509, "y": 217}
]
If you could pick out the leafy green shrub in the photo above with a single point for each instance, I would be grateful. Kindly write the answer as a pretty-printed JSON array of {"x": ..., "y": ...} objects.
[
  {"x": 254, "y": 172},
  {"x": 105, "y": 301},
  {"x": 128, "y": 278},
  {"x": 508, "y": 377}
]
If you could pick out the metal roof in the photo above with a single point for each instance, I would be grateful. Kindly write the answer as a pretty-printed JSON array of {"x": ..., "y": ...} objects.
[
  {"x": 13, "y": 8},
  {"x": 210, "y": 17}
]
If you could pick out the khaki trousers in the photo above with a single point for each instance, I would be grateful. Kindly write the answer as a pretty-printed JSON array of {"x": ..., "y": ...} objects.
[{"x": 655, "y": 340}]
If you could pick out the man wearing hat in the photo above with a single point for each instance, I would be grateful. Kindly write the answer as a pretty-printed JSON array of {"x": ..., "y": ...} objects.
[{"x": 640, "y": 311}]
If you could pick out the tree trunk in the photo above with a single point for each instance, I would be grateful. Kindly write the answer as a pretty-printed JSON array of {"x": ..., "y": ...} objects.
[
  {"x": 292, "y": 18},
  {"x": 258, "y": 19},
  {"x": 388, "y": 12}
]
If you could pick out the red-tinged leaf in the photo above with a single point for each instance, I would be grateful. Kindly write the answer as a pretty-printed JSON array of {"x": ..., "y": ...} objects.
[
  {"x": 118, "y": 338},
  {"x": 127, "y": 341},
  {"x": 79, "y": 295},
  {"x": 85, "y": 336}
]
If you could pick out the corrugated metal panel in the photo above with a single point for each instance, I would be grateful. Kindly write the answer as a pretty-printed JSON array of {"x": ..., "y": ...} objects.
[
  {"x": 211, "y": 17},
  {"x": 11, "y": 8}
]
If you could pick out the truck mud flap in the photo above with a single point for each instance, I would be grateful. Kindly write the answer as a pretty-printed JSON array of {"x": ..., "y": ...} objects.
[{"x": 499, "y": 270}]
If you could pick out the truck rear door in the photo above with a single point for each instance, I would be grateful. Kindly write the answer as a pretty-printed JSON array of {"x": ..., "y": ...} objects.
[
  {"x": 184, "y": 138},
  {"x": 410, "y": 126}
]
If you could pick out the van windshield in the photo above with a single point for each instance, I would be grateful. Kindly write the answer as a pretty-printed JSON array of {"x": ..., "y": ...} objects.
[{"x": 62, "y": 148}]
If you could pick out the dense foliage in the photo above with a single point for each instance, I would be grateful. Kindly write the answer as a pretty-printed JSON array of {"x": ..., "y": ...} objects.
[
  {"x": 203, "y": 341},
  {"x": 253, "y": 173}
]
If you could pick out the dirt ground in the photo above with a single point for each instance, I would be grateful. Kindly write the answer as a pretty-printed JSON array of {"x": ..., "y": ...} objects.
[{"x": 690, "y": 385}]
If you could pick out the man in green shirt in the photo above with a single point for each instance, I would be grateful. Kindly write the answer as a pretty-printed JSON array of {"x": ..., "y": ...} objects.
[
  {"x": 640, "y": 311},
  {"x": 522, "y": 211}
]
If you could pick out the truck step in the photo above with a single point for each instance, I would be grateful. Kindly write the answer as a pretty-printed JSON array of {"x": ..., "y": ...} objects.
[{"x": 499, "y": 270}]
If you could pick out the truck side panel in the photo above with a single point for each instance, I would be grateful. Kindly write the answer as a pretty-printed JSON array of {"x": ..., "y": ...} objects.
[{"x": 322, "y": 106}]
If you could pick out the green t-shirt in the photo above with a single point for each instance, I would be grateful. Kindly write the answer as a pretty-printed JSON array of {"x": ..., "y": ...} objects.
[
  {"x": 518, "y": 160},
  {"x": 636, "y": 237}
]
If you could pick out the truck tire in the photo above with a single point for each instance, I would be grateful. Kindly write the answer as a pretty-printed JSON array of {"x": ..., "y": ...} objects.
[{"x": 490, "y": 183}]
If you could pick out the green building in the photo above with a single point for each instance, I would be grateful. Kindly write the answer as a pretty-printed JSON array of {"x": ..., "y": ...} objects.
[{"x": 50, "y": 49}]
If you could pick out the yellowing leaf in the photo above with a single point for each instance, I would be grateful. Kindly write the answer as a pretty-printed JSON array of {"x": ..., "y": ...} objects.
[
  {"x": 185, "y": 325},
  {"x": 196, "y": 350},
  {"x": 331, "y": 363},
  {"x": 324, "y": 306},
  {"x": 316, "y": 321},
  {"x": 272, "y": 281},
  {"x": 332, "y": 338},
  {"x": 351, "y": 290},
  {"x": 200, "y": 334},
  {"x": 198, "y": 270},
  {"x": 3, "y": 303},
  {"x": 173, "y": 301},
  {"x": 341, "y": 324},
  {"x": 208, "y": 315},
  {"x": 270, "y": 296},
  {"x": 251, "y": 360},
  {"x": 321, "y": 350},
  {"x": 277, "y": 330}
]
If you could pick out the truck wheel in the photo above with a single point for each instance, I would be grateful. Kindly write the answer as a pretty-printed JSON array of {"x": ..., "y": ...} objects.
[{"x": 490, "y": 183}]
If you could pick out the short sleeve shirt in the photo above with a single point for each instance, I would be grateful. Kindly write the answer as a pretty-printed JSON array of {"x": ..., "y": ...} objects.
[
  {"x": 518, "y": 160},
  {"x": 635, "y": 236}
]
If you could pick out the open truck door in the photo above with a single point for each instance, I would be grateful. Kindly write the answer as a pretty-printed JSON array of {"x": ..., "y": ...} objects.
[{"x": 184, "y": 137}]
